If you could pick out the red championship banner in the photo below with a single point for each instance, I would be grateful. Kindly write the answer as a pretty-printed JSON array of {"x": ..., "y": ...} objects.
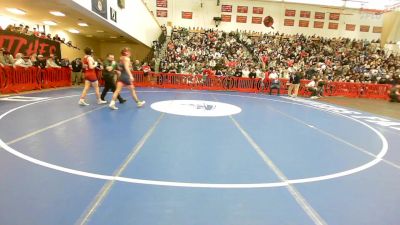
[
  {"x": 288, "y": 22},
  {"x": 290, "y": 12},
  {"x": 241, "y": 19},
  {"x": 19, "y": 43},
  {"x": 242, "y": 9},
  {"x": 333, "y": 26},
  {"x": 364, "y": 28},
  {"x": 258, "y": 10},
  {"x": 162, "y": 13},
  {"x": 304, "y": 23},
  {"x": 226, "y": 18},
  {"x": 377, "y": 30},
  {"x": 334, "y": 16},
  {"x": 318, "y": 24},
  {"x": 319, "y": 15},
  {"x": 162, "y": 3},
  {"x": 187, "y": 15},
  {"x": 226, "y": 8},
  {"x": 351, "y": 27},
  {"x": 256, "y": 20},
  {"x": 305, "y": 14}
]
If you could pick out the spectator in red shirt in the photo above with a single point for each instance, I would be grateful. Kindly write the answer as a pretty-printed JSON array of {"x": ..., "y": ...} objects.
[
  {"x": 146, "y": 69},
  {"x": 207, "y": 71},
  {"x": 290, "y": 62},
  {"x": 264, "y": 59},
  {"x": 35, "y": 32}
]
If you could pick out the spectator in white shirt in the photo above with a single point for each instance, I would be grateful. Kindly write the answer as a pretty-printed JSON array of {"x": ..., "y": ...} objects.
[
  {"x": 259, "y": 73},
  {"x": 245, "y": 72},
  {"x": 212, "y": 63},
  {"x": 19, "y": 61},
  {"x": 275, "y": 83},
  {"x": 312, "y": 87},
  {"x": 50, "y": 62},
  {"x": 273, "y": 75}
]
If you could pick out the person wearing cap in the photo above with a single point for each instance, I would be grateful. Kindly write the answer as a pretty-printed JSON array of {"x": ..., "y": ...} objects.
[{"x": 89, "y": 65}]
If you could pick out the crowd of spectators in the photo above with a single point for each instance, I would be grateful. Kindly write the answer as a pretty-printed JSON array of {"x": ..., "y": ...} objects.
[
  {"x": 7, "y": 59},
  {"x": 337, "y": 59},
  {"x": 198, "y": 51},
  {"x": 245, "y": 54},
  {"x": 34, "y": 31}
]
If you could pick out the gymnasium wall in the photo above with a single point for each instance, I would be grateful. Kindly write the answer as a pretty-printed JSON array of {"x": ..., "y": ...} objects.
[
  {"x": 203, "y": 17},
  {"x": 134, "y": 20},
  {"x": 391, "y": 29},
  {"x": 100, "y": 48},
  {"x": 77, "y": 40},
  {"x": 138, "y": 51}
]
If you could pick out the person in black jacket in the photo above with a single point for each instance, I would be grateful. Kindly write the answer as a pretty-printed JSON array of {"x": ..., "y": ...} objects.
[
  {"x": 109, "y": 72},
  {"x": 40, "y": 62},
  {"x": 294, "y": 81},
  {"x": 394, "y": 93},
  {"x": 76, "y": 71}
]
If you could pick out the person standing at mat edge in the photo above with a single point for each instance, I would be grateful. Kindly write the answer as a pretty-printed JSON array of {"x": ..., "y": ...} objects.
[
  {"x": 125, "y": 79},
  {"x": 294, "y": 83},
  {"x": 76, "y": 71},
  {"x": 89, "y": 66},
  {"x": 109, "y": 72}
]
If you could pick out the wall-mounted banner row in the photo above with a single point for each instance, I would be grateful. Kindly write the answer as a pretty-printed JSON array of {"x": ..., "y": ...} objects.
[
  {"x": 187, "y": 15},
  {"x": 226, "y": 18},
  {"x": 242, "y": 9},
  {"x": 350, "y": 27},
  {"x": 258, "y": 10},
  {"x": 319, "y": 15},
  {"x": 162, "y": 3},
  {"x": 256, "y": 20},
  {"x": 290, "y": 12},
  {"x": 226, "y": 8},
  {"x": 162, "y": 13},
  {"x": 288, "y": 22},
  {"x": 364, "y": 28},
  {"x": 333, "y": 26},
  {"x": 377, "y": 30},
  {"x": 241, "y": 19},
  {"x": 305, "y": 14},
  {"x": 334, "y": 16},
  {"x": 318, "y": 24}
]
